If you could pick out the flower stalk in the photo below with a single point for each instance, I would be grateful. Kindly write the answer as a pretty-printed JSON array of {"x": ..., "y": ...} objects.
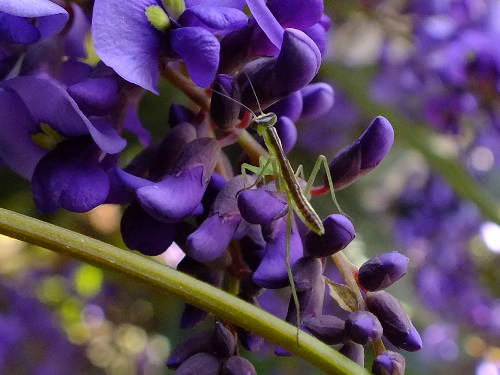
[{"x": 225, "y": 306}]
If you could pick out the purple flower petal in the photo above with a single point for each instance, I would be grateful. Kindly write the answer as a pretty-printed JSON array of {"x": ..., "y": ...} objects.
[
  {"x": 140, "y": 231},
  {"x": 216, "y": 19},
  {"x": 175, "y": 197},
  {"x": 199, "y": 49},
  {"x": 299, "y": 14},
  {"x": 291, "y": 106},
  {"x": 14, "y": 29},
  {"x": 318, "y": 99},
  {"x": 364, "y": 154},
  {"x": 382, "y": 271},
  {"x": 201, "y": 363},
  {"x": 287, "y": 131},
  {"x": 75, "y": 38},
  {"x": 126, "y": 41},
  {"x": 95, "y": 96},
  {"x": 272, "y": 271},
  {"x": 17, "y": 148},
  {"x": 297, "y": 64},
  {"x": 363, "y": 327},
  {"x": 238, "y": 4},
  {"x": 51, "y": 17},
  {"x": 212, "y": 237},
  {"x": 267, "y": 21},
  {"x": 238, "y": 366},
  {"x": 260, "y": 206},
  {"x": 339, "y": 232},
  {"x": 50, "y": 103},
  {"x": 318, "y": 33},
  {"x": 70, "y": 177}
]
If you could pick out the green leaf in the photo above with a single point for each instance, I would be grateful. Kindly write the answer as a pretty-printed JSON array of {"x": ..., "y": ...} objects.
[{"x": 343, "y": 295}]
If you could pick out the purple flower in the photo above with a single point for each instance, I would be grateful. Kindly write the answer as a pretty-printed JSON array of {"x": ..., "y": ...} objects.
[
  {"x": 339, "y": 232},
  {"x": 261, "y": 206},
  {"x": 272, "y": 272},
  {"x": 382, "y": 271},
  {"x": 327, "y": 328},
  {"x": 128, "y": 39},
  {"x": 201, "y": 363},
  {"x": 364, "y": 154},
  {"x": 51, "y": 142},
  {"x": 389, "y": 363},
  {"x": 237, "y": 365},
  {"x": 317, "y": 99},
  {"x": 354, "y": 351},
  {"x": 16, "y": 25},
  {"x": 198, "y": 342},
  {"x": 363, "y": 327},
  {"x": 213, "y": 236},
  {"x": 396, "y": 324}
]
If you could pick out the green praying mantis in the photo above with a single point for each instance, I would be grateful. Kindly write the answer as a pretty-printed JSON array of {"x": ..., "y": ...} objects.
[{"x": 286, "y": 180}]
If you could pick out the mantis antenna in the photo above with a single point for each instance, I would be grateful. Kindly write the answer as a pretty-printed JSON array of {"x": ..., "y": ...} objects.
[{"x": 254, "y": 93}]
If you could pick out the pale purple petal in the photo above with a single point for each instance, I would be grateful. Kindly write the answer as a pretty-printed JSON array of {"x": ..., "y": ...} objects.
[
  {"x": 75, "y": 38},
  {"x": 17, "y": 148},
  {"x": 51, "y": 16},
  {"x": 266, "y": 21},
  {"x": 216, "y": 19},
  {"x": 70, "y": 177},
  {"x": 126, "y": 41},
  {"x": 199, "y": 49},
  {"x": 238, "y": 4},
  {"x": 61, "y": 112},
  {"x": 299, "y": 14}
]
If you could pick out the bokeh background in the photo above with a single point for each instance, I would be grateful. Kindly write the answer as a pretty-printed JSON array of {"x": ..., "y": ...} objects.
[{"x": 433, "y": 69}]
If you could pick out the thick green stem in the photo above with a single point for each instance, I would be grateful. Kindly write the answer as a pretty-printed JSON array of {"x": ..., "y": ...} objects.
[
  {"x": 356, "y": 83},
  {"x": 223, "y": 305}
]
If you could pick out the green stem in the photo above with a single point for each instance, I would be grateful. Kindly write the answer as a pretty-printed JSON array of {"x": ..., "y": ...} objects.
[
  {"x": 223, "y": 305},
  {"x": 356, "y": 83}
]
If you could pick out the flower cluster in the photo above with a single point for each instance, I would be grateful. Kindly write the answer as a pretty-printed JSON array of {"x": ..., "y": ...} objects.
[{"x": 63, "y": 128}]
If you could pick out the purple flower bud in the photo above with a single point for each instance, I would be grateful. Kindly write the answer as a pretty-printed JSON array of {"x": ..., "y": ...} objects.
[
  {"x": 272, "y": 271},
  {"x": 290, "y": 106},
  {"x": 250, "y": 341},
  {"x": 201, "y": 363},
  {"x": 180, "y": 193},
  {"x": 339, "y": 232},
  {"x": 396, "y": 323},
  {"x": 382, "y": 271},
  {"x": 389, "y": 363},
  {"x": 237, "y": 365},
  {"x": 355, "y": 352},
  {"x": 224, "y": 342},
  {"x": 287, "y": 131},
  {"x": 318, "y": 99},
  {"x": 199, "y": 342},
  {"x": 310, "y": 286},
  {"x": 363, "y": 327},
  {"x": 213, "y": 236},
  {"x": 363, "y": 155},
  {"x": 295, "y": 66},
  {"x": 261, "y": 206},
  {"x": 327, "y": 328},
  {"x": 224, "y": 111}
]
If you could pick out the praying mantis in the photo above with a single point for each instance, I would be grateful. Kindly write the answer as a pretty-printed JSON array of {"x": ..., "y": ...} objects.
[{"x": 286, "y": 180}]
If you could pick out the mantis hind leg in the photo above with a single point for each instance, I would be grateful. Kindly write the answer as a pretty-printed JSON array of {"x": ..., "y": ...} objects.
[
  {"x": 322, "y": 160},
  {"x": 289, "y": 219}
]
